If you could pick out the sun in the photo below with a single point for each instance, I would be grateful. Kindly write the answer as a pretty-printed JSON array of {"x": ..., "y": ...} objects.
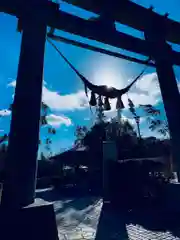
[
  {"x": 107, "y": 71},
  {"x": 106, "y": 77}
]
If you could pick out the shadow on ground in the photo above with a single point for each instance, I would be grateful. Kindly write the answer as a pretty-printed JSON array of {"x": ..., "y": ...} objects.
[
  {"x": 75, "y": 215},
  {"x": 88, "y": 214},
  {"x": 111, "y": 225},
  {"x": 140, "y": 224},
  {"x": 75, "y": 200}
]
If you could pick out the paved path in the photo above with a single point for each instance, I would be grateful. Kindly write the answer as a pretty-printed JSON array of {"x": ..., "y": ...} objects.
[
  {"x": 77, "y": 219},
  {"x": 84, "y": 218}
]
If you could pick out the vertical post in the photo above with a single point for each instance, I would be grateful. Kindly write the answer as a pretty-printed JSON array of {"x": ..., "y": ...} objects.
[
  {"x": 109, "y": 156},
  {"x": 137, "y": 119},
  {"x": 119, "y": 123},
  {"x": 161, "y": 52},
  {"x": 21, "y": 163},
  {"x": 119, "y": 115}
]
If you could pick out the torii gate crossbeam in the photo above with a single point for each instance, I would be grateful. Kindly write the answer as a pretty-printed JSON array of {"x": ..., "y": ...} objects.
[
  {"x": 126, "y": 12},
  {"x": 58, "y": 19}
]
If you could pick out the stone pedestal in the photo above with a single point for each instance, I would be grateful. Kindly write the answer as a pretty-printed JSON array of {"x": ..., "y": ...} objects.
[{"x": 35, "y": 222}]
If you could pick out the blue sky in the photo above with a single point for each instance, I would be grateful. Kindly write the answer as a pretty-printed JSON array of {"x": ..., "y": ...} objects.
[{"x": 63, "y": 92}]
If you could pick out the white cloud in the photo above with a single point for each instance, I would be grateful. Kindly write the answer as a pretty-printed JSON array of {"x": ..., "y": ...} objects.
[
  {"x": 149, "y": 84},
  {"x": 12, "y": 83},
  {"x": 5, "y": 112},
  {"x": 57, "y": 121},
  {"x": 178, "y": 86},
  {"x": 124, "y": 117},
  {"x": 145, "y": 91},
  {"x": 56, "y": 101},
  {"x": 86, "y": 118},
  {"x": 132, "y": 120},
  {"x": 141, "y": 98},
  {"x": 66, "y": 102}
]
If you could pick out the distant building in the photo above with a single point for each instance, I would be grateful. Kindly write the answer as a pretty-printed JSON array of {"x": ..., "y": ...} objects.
[
  {"x": 74, "y": 156},
  {"x": 151, "y": 139}
]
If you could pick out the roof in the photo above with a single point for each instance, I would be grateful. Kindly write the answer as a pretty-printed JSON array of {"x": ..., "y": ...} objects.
[{"x": 73, "y": 156}]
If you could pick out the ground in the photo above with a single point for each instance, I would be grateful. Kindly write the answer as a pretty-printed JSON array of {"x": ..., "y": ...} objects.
[{"x": 87, "y": 218}]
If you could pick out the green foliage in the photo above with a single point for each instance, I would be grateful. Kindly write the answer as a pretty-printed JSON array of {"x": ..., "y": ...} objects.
[
  {"x": 80, "y": 134},
  {"x": 43, "y": 123},
  {"x": 100, "y": 116},
  {"x": 150, "y": 110},
  {"x": 154, "y": 120},
  {"x": 127, "y": 127},
  {"x": 50, "y": 130},
  {"x": 116, "y": 129},
  {"x": 44, "y": 112},
  {"x": 132, "y": 107},
  {"x": 135, "y": 116},
  {"x": 112, "y": 130}
]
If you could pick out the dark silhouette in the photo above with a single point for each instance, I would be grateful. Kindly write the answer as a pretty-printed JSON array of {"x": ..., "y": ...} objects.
[{"x": 101, "y": 90}]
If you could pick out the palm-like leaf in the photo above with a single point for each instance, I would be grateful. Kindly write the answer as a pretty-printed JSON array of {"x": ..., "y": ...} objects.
[
  {"x": 164, "y": 129},
  {"x": 44, "y": 106},
  {"x": 43, "y": 121},
  {"x": 150, "y": 110},
  {"x": 155, "y": 124},
  {"x": 159, "y": 125},
  {"x": 132, "y": 107}
]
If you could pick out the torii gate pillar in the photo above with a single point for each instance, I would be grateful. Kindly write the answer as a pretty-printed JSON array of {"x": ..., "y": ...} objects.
[
  {"x": 161, "y": 52},
  {"x": 21, "y": 163}
]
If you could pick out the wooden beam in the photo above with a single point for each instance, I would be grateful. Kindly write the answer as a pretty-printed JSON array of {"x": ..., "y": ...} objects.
[
  {"x": 90, "y": 30},
  {"x": 133, "y": 15},
  {"x": 21, "y": 164},
  {"x": 20, "y": 8},
  {"x": 78, "y": 26},
  {"x": 100, "y": 50}
]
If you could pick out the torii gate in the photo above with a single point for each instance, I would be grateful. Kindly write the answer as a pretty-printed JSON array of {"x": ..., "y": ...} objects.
[{"x": 35, "y": 16}]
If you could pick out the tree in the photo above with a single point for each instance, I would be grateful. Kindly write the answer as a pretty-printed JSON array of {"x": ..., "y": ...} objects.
[
  {"x": 136, "y": 117},
  {"x": 116, "y": 129},
  {"x": 44, "y": 123},
  {"x": 80, "y": 133},
  {"x": 128, "y": 128},
  {"x": 122, "y": 133},
  {"x": 44, "y": 113},
  {"x": 100, "y": 116},
  {"x": 50, "y": 130},
  {"x": 108, "y": 130},
  {"x": 154, "y": 118}
]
